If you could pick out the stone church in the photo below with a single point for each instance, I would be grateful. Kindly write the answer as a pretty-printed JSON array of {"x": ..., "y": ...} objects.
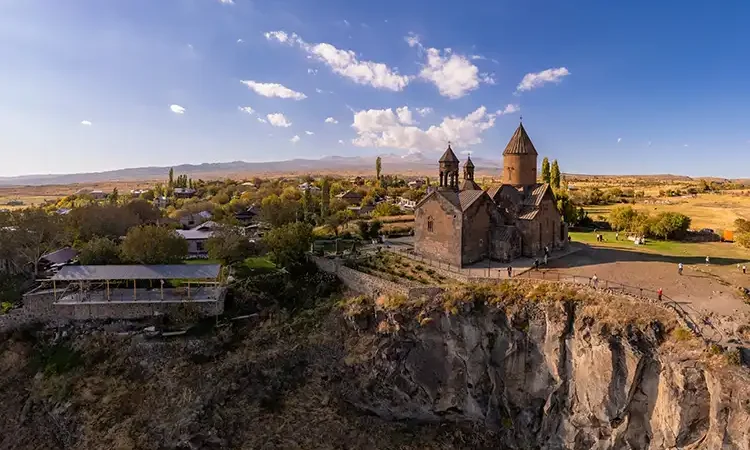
[{"x": 460, "y": 223}]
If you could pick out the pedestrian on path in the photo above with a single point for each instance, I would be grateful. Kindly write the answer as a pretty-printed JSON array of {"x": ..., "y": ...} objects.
[
  {"x": 595, "y": 281},
  {"x": 545, "y": 259},
  {"x": 617, "y": 236},
  {"x": 536, "y": 263},
  {"x": 546, "y": 251},
  {"x": 744, "y": 270},
  {"x": 510, "y": 271},
  {"x": 679, "y": 268},
  {"x": 660, "y": 292},
  {"x": 708, "y": 260}
]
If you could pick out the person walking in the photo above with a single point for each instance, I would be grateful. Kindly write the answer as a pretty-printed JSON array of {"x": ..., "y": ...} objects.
[
  {"x": 536, "y": 263},
  {"x": 708, "y": 260},
  {"x": 660, "y": 292},
  {"x": 545, "y": 259},
  {"x": 510, "y": 271},
  {"x": 679, "y": 268},
  {"x": 744, "y": 270},
  {"x": 546, "y": 251},
  {"x": 595, "y": 281},
  {"x": 617, "y": 236}
]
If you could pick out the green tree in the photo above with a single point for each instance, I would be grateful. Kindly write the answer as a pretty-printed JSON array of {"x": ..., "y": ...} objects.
[
  {"x": 170, "y": 183},
  {"x": 363, "y": 227},
  {"x": 148, "y": 195},
  {"x": 114, "y": 197},
  {"x": 153, "y": 245},
  {"x": 325, "y": 197},
  {"x": 288, "y": 243},
  {"x": 229, "y": 245},
  {"x": 335, "y": 221},
  {"x": 375, "y": 227},
  {"x": 669, "y": 225},
  {"x": 378, "y": 167},
  {"x": 143, "y": 210},
  {"x": 100, "y": 251},
  {"x": 384, "y": 209},
  {"x": 546, "y": 171},
  {"x": 622, "y": 217},
  {"x": 96, "y": 220},
  {"x": 554, "y": 177},
  {"x": 277, "y": 211},
  {"x": 35, "y": 233}
]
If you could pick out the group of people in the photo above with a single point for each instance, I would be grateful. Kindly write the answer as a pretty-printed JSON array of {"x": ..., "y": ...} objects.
[{"x": 536, "y": 262}]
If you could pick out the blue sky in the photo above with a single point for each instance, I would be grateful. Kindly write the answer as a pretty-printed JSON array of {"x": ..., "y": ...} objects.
[{"x": 604, "y": 86}]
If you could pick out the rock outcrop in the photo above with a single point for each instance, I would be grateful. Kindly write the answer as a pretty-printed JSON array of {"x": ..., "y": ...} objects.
[{"x": 550, "y": 377}]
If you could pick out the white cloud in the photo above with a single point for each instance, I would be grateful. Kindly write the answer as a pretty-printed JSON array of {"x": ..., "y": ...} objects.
[
  {"x": 312, "y": 71},
  {"x": 383, "y": 128},
  {"x": 424, "y": 111},
  {"x": 273, "y": 90},
  {"x": 453, "y": 74},
  {"x": 295, "y": 139},
  {"x": 226, "y": 2},
  {"x": 240, "y": 41},
  {"x": 535, "y": 80},
  {"x": 405, "y": 116},
  {"x": 262, "y": 120},
  {"x": 685, "y": 145},
  {"x": 466, "y": 152},
  {"x": 86, "y": 123},
  {"x": 510, "y": 109},
  {"x": 331, "y": 120},
  {"x": 346, "y": 22},
  {"x": 341, "y": 141},
  {"x": 619, "y": 140},
  {"x": 477, "y": 57},
  {"x": 309, "y": 133},
  {"x": 246, "y": 109},
  {"x": 346, "y": 63},
  {"x": 177, "y": 109},
  {"x": 278, "y": 120},
  {"x": 413, "y": 40}
]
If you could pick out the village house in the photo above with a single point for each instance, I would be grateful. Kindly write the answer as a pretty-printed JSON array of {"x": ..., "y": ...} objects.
[
  {"x": 197, "y": 238},
  {"x": 462, "y": 224},
  {"x": 247, "y": 216},
  {"x": 405, "y": 203},
  {"x": 415, "y": 184},
  {"x": 161, "y": 202},
  {"x": 351, "y": 197},
  {"x": 190, "y": 220},
  {"x": 183, "y": 192},
  {"x": 309, "y": 187}
]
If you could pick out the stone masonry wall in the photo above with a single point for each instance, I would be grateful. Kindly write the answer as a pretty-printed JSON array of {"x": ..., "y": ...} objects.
[{"x": 443, "y": 243}]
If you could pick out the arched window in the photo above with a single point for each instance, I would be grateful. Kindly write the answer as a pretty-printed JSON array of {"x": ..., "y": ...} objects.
[{"x": 430, "y": 224}]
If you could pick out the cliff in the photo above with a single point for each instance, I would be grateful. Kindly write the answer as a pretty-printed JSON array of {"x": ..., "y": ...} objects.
[{"x": 504, "y": 367}]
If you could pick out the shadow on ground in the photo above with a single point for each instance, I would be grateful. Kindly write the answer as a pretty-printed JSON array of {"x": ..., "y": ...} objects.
[{"x": 590, "y": 255}]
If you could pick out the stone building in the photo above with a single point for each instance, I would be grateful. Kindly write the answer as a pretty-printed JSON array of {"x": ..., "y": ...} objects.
[{"x": 462, "y": 224}]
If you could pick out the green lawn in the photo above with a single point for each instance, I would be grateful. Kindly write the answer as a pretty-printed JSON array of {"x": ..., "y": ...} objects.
[
  {"x": 669, "y": 248},
  {"x": 258, "y": 263},
  {"x": 202, "y": 261}
]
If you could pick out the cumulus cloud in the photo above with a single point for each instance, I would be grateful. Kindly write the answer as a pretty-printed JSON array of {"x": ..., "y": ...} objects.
[
  {"x": 309, "y": 133},
  {"x": 86, "y": 123},
  {"x": 384, "y": 128},
  {"x": 273, "y": 90},
  {"x": 413, "y": 40},
  {"x": 424, "y": 111},
  {"x": 331, "y": 120},
  {"x": 453, "y": 74},
  {"x": 246, "y": 109},
  {"x": 278, "y": 120},
  {"x": 295, "y": 139},
  {"x": 177, "y": 109},
  {"x": 262, "y": 120},
  {"x": 510, "y": 109},
  {"x": 534, "y": 80},
  {"x": 346, "y": 63},
  {"x": 405, "y": 116}
]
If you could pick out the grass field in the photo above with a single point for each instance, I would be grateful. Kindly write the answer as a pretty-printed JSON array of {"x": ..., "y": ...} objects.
[
  {"x": 668, "y": 248},
  {"x": 715, "y": 211}
]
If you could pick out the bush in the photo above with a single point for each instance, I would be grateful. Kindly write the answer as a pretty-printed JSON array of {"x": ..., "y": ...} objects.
[
  {"x": 384, "y": 209},
  {"x": 669, "y": 225},
  {"x": 153, "y": 245},
  {"x": 100, "y": 251},
  {"x": 287, "y": 244},
  {"x": 682, "y": 334}
]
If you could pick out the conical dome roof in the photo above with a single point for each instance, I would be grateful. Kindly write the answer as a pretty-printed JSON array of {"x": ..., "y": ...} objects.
[
  {"x": 449, "y": 156},
  {"x": 468, "y": 163},
  {"x": 520, "y": 143}
]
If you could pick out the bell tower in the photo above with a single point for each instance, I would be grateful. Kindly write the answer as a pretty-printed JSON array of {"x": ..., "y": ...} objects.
[
  {"x": 519, "y": 159},
  {"x": 469, "y": 169},
  {"x": 449, "y": 170}
]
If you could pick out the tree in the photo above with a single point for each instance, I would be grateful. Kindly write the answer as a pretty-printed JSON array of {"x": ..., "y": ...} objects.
[
  {"x": 170, "y": 184},
  {"x": 375, "y": 227},
  {"x": 229, "y": 245},
  {"x": 554, "y": 177},
  {"x": 149, "y": 244},
  {"x": 148, "y": 195},
  {"x": 363, "y": 227},
  {"x": 325, "y": 197},
  {"x": 100, "y": 221},
  {"x": 34, "y": 234},
  {"x": 144, "y": 211},
  {"x": 100, "y": 251},
  {"x": 622, "y": 217},
  {"x": 277, "y": 211},
  {"x": 546, "y": 171},
  {"x": 378, "y": 167},
  {"x": 114, "y": 197},
  {"x": 669, "y": 225},
  {"x": 337, "y": 220},
  {"x": 383, "y": 209},
  {"x": 288, "y": 243}
]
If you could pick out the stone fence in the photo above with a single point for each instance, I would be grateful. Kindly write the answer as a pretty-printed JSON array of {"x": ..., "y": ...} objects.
[{"x": 369, "y": 284}]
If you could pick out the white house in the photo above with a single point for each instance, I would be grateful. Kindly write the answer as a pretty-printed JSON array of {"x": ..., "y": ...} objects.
[
  {"x": 161, "y": 202},
  {"x": 308, "y": 187},
  {"x": 406, "y": 203},
  {"x": 184, "y": 192},
  {"x": 191, "y": 220},
  {"x": 197, "y": 237}
]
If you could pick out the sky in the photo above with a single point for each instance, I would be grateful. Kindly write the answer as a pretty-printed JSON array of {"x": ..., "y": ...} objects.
[{"x": 605, "y": 87}]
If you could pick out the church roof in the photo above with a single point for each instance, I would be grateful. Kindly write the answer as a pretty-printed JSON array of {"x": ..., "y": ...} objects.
[
  {"x": 461, "y": 200},
  {"x": 469, "y": 185},
  {"x": 528, "y": 213},
  {"x": 520, "y": 143},
  {"x": 468, "y": 163},
  {"x": 533, "y": 195},
  {"x": 449, "y": 156}
]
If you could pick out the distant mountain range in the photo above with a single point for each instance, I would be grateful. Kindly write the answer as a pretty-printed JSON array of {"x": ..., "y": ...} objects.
[{"x": 414, "y": 164}]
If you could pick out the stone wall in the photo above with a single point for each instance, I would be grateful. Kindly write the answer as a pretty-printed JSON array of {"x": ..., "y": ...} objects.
[{"x": 444, "y": 241}]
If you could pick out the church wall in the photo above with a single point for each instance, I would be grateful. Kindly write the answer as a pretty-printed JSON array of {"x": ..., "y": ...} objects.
[
  {"x": 543, "y": 231},
  {"x": 519, "y": 170},
  {"x": 443, "y": 243},
  {"x": 476, "y": 231}
]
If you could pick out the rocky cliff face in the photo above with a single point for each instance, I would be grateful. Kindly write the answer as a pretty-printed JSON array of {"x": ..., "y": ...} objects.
[{"x": 551, "y": 378}]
